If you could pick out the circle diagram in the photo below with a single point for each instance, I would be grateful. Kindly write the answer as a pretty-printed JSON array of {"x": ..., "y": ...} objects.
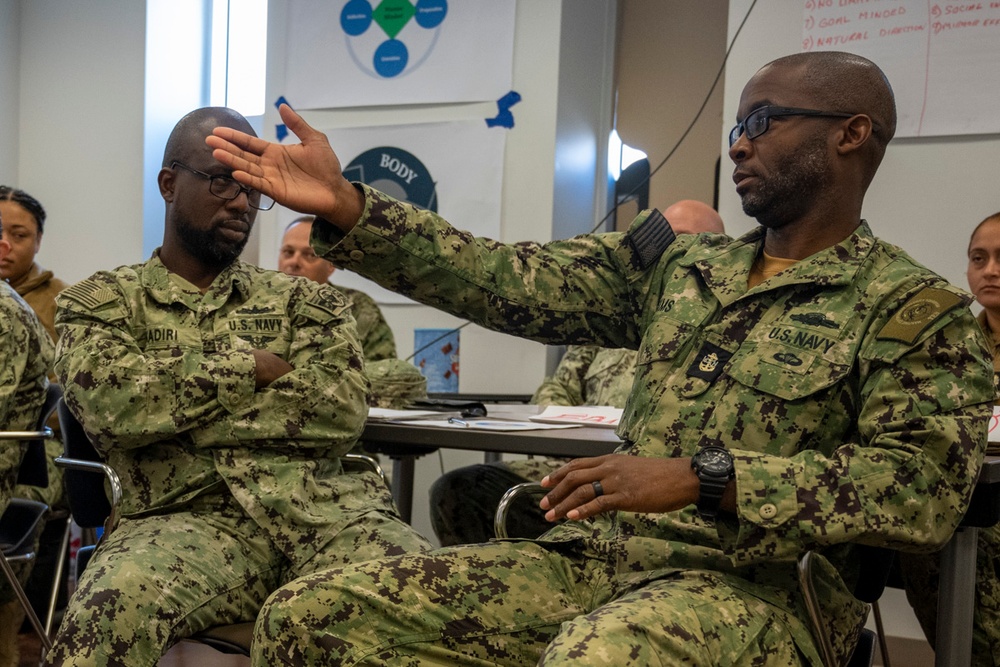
[
  {"x": 394, "y": 37},
  {"x": 396, "y": 172}
]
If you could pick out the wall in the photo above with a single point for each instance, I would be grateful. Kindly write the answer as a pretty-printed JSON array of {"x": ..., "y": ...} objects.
[
  {"x": 669, "y": 52},
  {"x": 81, "y": 118},
  {"x": 9, "y": 89},
  {"x": 926, "y": 197}
]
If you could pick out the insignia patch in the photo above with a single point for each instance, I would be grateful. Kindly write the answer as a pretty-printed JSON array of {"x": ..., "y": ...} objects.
[
  {"x": 814, "y": 319},
  {"x": 90, "y": 294},
  {"x": 788, "y": 358},
  {"x": 709, "y": 362},
  {"x": 923, "y": 308},
  {"x": 650, "y": 239}
]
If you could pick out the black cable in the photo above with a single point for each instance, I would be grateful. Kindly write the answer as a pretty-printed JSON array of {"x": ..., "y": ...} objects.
[
  {"x": 697, "y": 116},
  {"x": 441, "y": 337}
]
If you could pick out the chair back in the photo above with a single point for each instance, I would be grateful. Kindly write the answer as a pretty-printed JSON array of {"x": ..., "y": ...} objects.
[
  {"x": 34, "y": 466},
  {"x": 88, "y": 502}
]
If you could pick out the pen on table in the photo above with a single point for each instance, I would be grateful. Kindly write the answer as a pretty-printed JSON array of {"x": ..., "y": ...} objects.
[{"x": 460, "y": 422}]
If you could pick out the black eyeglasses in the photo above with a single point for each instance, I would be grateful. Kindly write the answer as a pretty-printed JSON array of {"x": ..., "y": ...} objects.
[
  {"x": 225, "y": 187},
  {"x": 757, "y": 121}
]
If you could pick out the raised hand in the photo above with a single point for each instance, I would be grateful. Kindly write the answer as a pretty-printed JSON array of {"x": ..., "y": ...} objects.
[{"x": 305, "y": 177}]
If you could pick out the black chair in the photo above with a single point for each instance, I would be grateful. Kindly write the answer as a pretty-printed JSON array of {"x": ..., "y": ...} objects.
[
  {"x": 872, "y": 578},
  {"x": 85, "y": 480},
  {"x": 22, "y": 519}
]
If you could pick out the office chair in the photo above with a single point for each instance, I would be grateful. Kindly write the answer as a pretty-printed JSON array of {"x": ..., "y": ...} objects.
[
  {"x": 22, "y": 519},
  {"x": 871, "y": 582},
  {"x": 85, "y": 478}
]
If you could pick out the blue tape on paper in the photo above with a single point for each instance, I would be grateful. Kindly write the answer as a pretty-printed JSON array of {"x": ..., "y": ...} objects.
[
  {"x": 280, "y": 130},
  {"x": 504, "y": 117}
]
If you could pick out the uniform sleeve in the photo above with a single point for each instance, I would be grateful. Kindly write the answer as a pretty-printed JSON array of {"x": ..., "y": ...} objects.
[
  {"x": 321, "y": 403},
  {"x": 905, "y": 478},
  {"x": 125, "y": 398},
  {"x": 376, "y": 337},
  {"x": 564, "y": 292},
  {"x": 566, "y": 385}
]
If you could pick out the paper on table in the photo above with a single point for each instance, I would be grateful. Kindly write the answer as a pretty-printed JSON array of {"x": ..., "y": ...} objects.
[
  {"x": 602, "y": 416},
  {"x": 484, "y": 424},
  {"x": 993, "y": 435},
  {"x": 385, "y": 414}
]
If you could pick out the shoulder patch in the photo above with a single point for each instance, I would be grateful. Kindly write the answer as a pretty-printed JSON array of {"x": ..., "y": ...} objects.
[
  {"x": 650, "y": 238},
  {"x": 918, "y": 313},
  {"x": 91, "y": 294},
  {"x": 325, "y": 305}
]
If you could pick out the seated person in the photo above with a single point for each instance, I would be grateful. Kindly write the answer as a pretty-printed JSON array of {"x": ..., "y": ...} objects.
[
  {"x": 25, "y": 218},
  {"x": 921, "y": 571},
  {"x": 25, "y": 360},
  {"x": 296, "y": 258},
  {"x": 24, "y": 225},
  {"x": 463, "y": 501},
  {"x": 806, "y": 387},
  {"x": 224, "y": 395}
]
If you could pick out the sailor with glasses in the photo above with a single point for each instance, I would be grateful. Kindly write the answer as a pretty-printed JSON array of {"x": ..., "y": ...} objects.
[
  {"x": 807, "y": 387},
  {"x": 223, "y": 395}
]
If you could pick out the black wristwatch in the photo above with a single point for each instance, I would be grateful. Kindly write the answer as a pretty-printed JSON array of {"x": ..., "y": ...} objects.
[{"x": 714, "y": 467}]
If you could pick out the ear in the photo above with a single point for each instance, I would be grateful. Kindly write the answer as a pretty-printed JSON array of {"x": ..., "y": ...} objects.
[
  {"x": 167, "y": 180},
  {"x": 854, "y": 134}
]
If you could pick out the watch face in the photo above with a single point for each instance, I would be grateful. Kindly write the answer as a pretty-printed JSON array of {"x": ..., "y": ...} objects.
[{"x": 715, "y": 461}]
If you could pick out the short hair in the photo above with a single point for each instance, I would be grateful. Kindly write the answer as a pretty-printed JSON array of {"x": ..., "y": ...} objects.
[
  {"x": 990, "y": 218},
  {"x": 850, "y": 83},
  {"x": 27, "y": 202},
  {"x": 190, "y": 131},
  {"x": 302, "y": 218}
]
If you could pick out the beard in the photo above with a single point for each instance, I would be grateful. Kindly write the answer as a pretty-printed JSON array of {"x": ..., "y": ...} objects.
[
  {"x": 207, "y": 246},
  {"x": 792, "y": 187}
]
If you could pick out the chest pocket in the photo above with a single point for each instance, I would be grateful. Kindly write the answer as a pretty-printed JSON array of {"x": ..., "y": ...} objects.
[
  {"x": 786, "y": 398},
  {"x": 786, "y": 371}
]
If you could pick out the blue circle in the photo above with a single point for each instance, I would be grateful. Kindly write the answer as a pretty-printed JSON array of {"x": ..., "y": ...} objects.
[
  {"x": 355, "y": 17},
  {"x": 390, "y": 58},
  {"x": 431, "y": 13},
  {"x": 397, "y": 172}
]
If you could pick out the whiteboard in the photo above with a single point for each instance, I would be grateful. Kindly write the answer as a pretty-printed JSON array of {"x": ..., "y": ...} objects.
[{"x": 942, "y": 58}]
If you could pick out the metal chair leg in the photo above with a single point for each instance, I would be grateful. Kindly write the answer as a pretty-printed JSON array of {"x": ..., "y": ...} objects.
[
  {"x": 880, "y": 631},
  {"x": 25, "y": 602}
]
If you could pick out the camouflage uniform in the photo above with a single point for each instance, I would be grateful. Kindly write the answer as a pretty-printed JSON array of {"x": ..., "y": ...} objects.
[
  {"x": 228, "y": 491},
  {"x": 921, "y": 574},
  {"x": 25, "y": 359},
  {"x": 377, "y": 341},
  {"x": 463, "y": 501},
  {"x": 852, "y": 390}
]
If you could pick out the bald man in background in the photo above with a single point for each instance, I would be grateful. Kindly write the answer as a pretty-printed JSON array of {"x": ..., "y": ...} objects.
[
  {"x": 296, "y": 258},
  {"x": 463, "y": 501}
]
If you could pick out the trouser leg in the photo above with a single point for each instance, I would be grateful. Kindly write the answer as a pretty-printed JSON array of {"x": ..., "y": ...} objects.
[
  {"x": 690, "y": 619},
  {"x": 160, "y": 579},
  {"x": 495, "y": 604}
]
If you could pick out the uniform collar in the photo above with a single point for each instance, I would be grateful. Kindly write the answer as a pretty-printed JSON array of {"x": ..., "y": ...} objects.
[
  {"x": 34, "y": 277},
  {"x": 164, "y": 287},
  {"x": 725, "y": 269}
]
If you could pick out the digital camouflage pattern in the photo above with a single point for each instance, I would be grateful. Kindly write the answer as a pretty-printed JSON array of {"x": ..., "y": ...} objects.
[
  {"x": 25, "y": 359},
  {"x": 228, "y": 491},
  {"x": 377, "y": 341},
  {"x": 921, "y": 574},
  {"x": 463, "y": 501},
  {"x": 852, "y": 389}
]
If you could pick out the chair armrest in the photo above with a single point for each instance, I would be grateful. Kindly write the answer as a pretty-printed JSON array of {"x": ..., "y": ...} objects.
[
  {"x": 365, "y": 461},
  {"x": 513, "y": 493},
  {"x": 114, "y": 482}
]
